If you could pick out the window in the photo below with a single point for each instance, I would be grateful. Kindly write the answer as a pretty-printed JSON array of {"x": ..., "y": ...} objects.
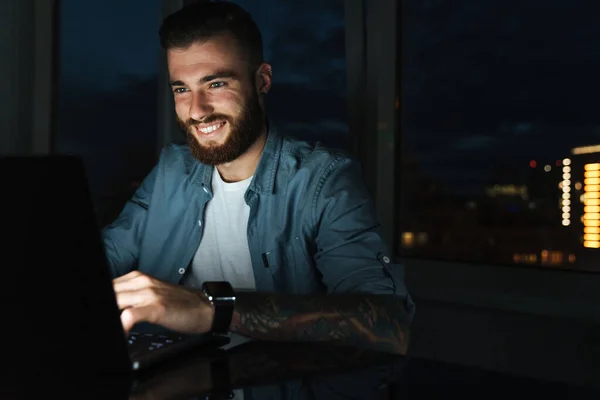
[
  {"x": 500, "y": 162},
  {"x": 304, "y": 41},
  {"x": 108, "y": 63}
]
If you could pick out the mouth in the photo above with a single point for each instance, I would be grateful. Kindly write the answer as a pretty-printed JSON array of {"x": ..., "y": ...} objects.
[{"x": 210, "y": 130}]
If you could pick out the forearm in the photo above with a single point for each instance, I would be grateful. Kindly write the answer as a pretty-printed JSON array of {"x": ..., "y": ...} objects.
[{"x": 377, "y": 322}]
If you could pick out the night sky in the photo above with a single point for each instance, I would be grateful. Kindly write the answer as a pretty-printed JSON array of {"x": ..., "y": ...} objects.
[
  {"x": 101, "y": 41},
  {"x": 486, "y": 84},
  {"x": 496, "y": 83}
]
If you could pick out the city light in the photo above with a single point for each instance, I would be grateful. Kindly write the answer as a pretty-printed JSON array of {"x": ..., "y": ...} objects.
[
  {"x": 566, "y": 189},
  {"x": 408, "y": 239},
  {"x": 548, "y": 257},
  {"x": 586, "y": 149},
  {"x": 591, "y": 209}
]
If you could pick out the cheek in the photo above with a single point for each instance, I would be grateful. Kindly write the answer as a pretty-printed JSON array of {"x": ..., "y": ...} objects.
[
  {"x": 182, "y": 107},
  {"x": 227, "y": 102}
]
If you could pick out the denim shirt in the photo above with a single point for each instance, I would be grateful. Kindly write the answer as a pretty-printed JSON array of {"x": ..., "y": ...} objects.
[{"x": 311, "y": 229}]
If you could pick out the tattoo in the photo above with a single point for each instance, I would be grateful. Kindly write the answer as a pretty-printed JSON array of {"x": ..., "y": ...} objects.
[{"x": 377, "y": 322}]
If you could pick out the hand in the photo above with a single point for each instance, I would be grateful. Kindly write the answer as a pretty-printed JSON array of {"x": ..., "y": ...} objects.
[{"x": 142, "y": 298}]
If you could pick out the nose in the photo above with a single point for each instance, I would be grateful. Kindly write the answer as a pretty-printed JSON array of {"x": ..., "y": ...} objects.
[{"x": 200, "y": 106}]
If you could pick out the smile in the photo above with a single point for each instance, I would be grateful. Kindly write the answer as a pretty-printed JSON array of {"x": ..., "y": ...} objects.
[{"x": 210, "y": 128}]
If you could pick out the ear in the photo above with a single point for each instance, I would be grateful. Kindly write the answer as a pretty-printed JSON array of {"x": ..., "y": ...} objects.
[{"x": 263, "y": 78}]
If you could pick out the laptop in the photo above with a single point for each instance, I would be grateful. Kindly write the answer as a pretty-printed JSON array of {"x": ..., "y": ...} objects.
[{"x": 58, "y": 306}]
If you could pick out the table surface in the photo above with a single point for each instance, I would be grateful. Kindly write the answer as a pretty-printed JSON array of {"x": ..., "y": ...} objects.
[{"x": 260, "y": 370}]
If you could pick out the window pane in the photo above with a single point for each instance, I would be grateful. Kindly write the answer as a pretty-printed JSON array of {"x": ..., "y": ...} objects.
[
  {"x": 304, "y": 43},
  {"x": 497, "y": 97},
  {"x": 109, "y": 55}
]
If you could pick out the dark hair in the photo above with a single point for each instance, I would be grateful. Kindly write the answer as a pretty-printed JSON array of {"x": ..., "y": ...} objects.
[{"x": 201, "y": 21}]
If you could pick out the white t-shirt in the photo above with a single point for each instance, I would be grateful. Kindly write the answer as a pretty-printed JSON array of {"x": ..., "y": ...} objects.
[{"x": 223, "y": 254}]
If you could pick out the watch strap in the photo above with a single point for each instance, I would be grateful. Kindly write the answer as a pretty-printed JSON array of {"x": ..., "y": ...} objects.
[
  {"x": 223, "y": 316},
  {"x": 222, "y": 297}
]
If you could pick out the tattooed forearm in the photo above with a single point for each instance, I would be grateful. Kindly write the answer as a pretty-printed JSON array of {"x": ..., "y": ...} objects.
[{"x": 377, "y": 322}]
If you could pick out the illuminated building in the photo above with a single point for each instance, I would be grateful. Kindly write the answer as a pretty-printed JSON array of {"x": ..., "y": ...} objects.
[
  {"x": 586, "y": 194},
  {"x": 565, "y": 186}
]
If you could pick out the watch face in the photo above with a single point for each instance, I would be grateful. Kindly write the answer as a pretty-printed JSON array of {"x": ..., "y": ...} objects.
[{"x": 219, "y": 291}]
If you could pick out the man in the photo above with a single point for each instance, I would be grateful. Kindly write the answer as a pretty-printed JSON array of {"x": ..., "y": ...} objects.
[{"x": 288, "y": 225}]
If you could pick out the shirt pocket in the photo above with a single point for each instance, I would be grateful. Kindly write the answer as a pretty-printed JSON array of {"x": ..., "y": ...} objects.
[{"x": 277, "y": 262}]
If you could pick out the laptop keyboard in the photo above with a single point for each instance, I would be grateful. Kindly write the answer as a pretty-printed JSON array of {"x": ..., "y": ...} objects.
[{"x": 143, "y": 342}]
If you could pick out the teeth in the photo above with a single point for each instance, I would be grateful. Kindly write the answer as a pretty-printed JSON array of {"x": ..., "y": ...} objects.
[{"x": 210, "y": 128}]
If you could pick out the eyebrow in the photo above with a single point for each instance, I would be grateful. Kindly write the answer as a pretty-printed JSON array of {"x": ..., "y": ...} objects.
[{"x": 225, "y": 74}]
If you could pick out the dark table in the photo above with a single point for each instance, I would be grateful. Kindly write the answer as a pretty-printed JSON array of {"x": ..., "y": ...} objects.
[
  {"x": 276, "y": 371},
  {"x": 253, "y": 370},
  {"x": 259, "y": 370}
]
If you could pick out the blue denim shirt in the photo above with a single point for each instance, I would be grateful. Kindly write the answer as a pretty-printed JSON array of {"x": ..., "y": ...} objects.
[{"x": 312, "y": 225}]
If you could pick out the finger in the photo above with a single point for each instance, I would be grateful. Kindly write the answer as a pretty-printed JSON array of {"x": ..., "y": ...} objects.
[
  {"x": 139, "y": 281},
  {"x": 134, "y": 315},
  {"x": 134, "y": 298},
  {"x": 128, "y": 276}
]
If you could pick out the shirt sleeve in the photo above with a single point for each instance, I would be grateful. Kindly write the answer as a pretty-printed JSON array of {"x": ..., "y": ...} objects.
[
  {"x": 351, "y": 254},
  {"x": 122, "y": 238}
]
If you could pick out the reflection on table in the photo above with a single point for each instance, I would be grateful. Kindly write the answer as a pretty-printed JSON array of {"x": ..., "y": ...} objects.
[{"x": 259, "y": 370}]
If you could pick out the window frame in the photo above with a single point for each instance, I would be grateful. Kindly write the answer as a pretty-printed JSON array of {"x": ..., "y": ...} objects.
[
  {"x": 371, "y": 65},
  {"x": 31, "y": 93}
]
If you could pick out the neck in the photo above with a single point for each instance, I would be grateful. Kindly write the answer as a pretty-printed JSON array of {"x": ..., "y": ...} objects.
[{"x": 245, "y": 165}]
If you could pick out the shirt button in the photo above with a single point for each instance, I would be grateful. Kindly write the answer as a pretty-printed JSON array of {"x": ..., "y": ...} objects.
[
  {"x": 181, "y": 271},
  {"x": 386, "y": 259}
]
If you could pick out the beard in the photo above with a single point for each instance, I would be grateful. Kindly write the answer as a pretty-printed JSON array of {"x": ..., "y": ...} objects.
[{"x": 243, "y": 132}]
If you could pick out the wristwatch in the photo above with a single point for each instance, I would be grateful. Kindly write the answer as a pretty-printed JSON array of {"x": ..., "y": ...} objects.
[{"x": 222, "y": 297}]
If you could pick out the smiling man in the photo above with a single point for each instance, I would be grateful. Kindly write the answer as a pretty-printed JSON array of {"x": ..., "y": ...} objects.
[{"x": 245, "y": 230}]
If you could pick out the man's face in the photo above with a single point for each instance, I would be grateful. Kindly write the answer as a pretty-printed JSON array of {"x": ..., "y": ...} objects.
[{"x": 216, "y": 99}]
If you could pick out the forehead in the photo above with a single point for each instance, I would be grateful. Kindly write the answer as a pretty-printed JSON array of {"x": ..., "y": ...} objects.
[{"x": 203, "y": 58}]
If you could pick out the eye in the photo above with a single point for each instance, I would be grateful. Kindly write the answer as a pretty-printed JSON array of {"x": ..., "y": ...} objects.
[
  {"x": 179, "y": 90},
  {"x": 216, "y": 85}
]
